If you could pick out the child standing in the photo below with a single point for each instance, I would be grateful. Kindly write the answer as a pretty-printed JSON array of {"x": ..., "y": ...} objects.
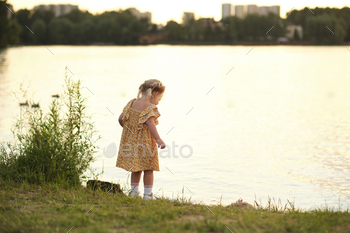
[{"x": 138, "y": 145}]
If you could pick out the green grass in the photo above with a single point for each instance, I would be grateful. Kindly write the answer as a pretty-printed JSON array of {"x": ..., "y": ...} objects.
[{"x": 51, "y": 207}]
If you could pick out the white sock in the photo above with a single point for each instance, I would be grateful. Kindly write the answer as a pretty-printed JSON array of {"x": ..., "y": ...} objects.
[
  {"x": 148, "y": 189},
  {"x": 134, "y": 187}
]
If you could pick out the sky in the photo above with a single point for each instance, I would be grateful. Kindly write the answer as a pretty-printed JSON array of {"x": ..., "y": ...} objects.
[{"x": 163, "y": 11}]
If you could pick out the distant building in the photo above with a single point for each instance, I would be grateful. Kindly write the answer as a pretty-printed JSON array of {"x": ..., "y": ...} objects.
[
  {"x": 9, "y": 12},
  {"x": 210, "y": 22},
  {"x": 147, "y": 15},
  {"x": 239, "y": 11},
  {"x": 265, "y": 10},
  {"x": 59, "y": 10},
  {"x": 65, "y": 9},
  {"x": 227, "y": 10},
  {"x": 252, "y": 9},
  {"x": 41, "y": 7},
  {"x": 53, "y": 8},
  {"x": 291, "y": 29},
  {"x": 275, "y": 9},
  {"x": 187, "y": 17},
  {"x": 140, "y": 15},
  {"x": 160, "y": 26}
]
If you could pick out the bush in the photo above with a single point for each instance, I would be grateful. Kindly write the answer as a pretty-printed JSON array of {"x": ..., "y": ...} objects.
[{"x": 55, "y": 147}]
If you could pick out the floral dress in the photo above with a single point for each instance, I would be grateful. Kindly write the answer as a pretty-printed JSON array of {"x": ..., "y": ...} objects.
[{"x": 138, "y": 149}]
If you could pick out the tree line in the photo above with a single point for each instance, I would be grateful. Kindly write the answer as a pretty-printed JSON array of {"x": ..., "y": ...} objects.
[
  {"x": 230, "y": 30},
  {"x": 320, "y": 25},
  {"x": 9, "y": 29},
  {"x": 323, "y": 25},
  {"x": 77, "y": 27}
]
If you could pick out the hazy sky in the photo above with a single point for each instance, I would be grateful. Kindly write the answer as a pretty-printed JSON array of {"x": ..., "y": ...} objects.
[{"x": 162, "y": 11}]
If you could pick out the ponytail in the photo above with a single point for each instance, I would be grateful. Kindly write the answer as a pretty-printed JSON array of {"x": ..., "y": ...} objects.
[{"x": 150, "y": 86}]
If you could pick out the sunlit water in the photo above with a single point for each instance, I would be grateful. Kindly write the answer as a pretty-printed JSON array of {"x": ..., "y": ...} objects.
[{"x": 268, "y": 121}]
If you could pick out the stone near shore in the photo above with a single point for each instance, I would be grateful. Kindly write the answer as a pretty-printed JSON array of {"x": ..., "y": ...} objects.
[
  {"x": 104, "y": 186},
  {"x": 241, "y": 204}
]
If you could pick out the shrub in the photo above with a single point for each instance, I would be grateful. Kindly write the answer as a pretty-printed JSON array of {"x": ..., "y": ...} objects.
[{"x": 53, "y": 147}]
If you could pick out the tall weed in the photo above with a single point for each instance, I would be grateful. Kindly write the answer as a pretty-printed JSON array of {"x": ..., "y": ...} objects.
[{"x": 53, "y": 147}]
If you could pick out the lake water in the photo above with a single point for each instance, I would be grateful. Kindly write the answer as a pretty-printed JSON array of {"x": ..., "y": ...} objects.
[{"x": 250, "y": 122}]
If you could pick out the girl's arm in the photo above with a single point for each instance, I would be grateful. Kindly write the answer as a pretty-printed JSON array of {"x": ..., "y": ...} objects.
[
  {"x": 120, "y": 120},
  {"x": 152, "y": 128}
]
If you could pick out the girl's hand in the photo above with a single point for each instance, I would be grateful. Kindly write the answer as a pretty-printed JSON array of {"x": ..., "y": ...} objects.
[
  {"x": 160, "y": 143},
  {"x": 120, "y": 119}
]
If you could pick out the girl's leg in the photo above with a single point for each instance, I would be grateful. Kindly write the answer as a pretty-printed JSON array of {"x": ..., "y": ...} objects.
[
  {"x": 148, "y": 177},
  {"x": 148, "y": 181},
  {"x": 135, "y": 180},
  {"x": 136, "y": 177}
]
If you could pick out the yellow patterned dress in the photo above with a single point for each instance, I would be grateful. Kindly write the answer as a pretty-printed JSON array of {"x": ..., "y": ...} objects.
[{"x": 138, "y": 149}]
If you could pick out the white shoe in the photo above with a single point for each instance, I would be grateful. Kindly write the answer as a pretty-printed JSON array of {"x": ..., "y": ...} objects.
[
  {"x": 135, "y": 194},
  {"x": 149, "y": 196}
]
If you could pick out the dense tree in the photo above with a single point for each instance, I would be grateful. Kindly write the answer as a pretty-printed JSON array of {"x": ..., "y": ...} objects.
[
  {"x": 325, "y": 29},
  {"x": 278, "y": 28},
  {"x": 254, "y": 28},
  {"x": 209, "y": 33},
  {"x": 119, "y": 27},
  {"x": 40, "y": 32},
  {"x": 175, "y": 31},
  {"x": 24, "y": 20},
  {"x": 231, "y": 27},
  {"x": 192, "y": 29},
  {"x": 299, "y": 17},
  {"x": 344, "y": 13},
  {"x": 154, "y": 28},
  {"x": 77, "y": 16},
  {"x": 315, "y": 22},
  {"x": 3, "y": 24},
  {"x": 60, "y": 31},
  {"x": 79, "y": 27},
  {"x": 13, "y": 32},
  {"x": 9, "y": 27},
  {"x": 46, "y": 16},
  {"x": 198, "y": 30},
  {"x": 85, "y": 32}
]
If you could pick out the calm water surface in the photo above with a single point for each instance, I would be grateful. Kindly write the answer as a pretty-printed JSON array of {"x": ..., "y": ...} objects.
[{"x": 272, "y": 122}]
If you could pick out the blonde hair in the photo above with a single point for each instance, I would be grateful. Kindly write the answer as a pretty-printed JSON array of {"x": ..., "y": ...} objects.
[{"x": 150, "y": 86}]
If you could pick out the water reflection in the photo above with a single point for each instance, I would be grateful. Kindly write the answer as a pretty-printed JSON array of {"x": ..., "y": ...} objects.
[
  {"x": 4, "y": 134},
  {"x": 3, "y": 53}
]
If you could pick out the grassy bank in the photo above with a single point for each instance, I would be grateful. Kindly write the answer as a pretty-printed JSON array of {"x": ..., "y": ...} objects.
[{"x": 27, "y": 207}]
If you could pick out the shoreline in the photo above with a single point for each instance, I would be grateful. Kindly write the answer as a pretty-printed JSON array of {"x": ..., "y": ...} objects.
[
  {"x": 232, "y": 44},
  {"x": 195, "y": 43},
  {"x": 27, "y": 207}
]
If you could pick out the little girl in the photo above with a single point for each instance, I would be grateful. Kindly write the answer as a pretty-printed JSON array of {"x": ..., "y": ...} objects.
[{"x": 138, "y": 145}]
